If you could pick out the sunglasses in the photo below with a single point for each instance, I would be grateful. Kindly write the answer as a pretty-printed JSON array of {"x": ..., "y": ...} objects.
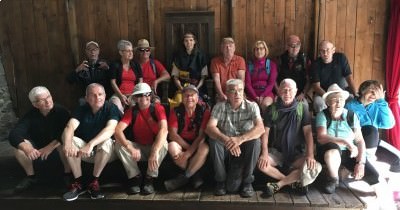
[
  {"x": 142, "y": 94},
  {"x": 144, "y": 49}
]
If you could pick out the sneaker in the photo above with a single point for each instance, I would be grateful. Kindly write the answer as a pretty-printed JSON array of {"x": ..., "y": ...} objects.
[
  {"x": 220, "y": 189},
  {"x": 148, "y": 187},
  {"x": 270, "y": 189},
  {"x": 94, "y": 190},
  {"x": 330, "y": 185},
  {"x": 197, "y": 180},
  {"x": 247, "y": 191},
  {"x": 178, "y": 182},
  {"x": 74, "y": 192},
  {"x": 134, "y": 185},
  {"x": 25, "y": 184},
  {"x": 299, "y": 189}
]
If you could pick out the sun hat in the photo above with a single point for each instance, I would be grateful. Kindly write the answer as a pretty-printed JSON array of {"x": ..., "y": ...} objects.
[
  {"x": 143, "y": 43},
  {"x": 141, "y": 88},
  {"x": 334, "y": 88},
  {"x": 307, "y": 175},
  {"x": 190, "y": 87}
]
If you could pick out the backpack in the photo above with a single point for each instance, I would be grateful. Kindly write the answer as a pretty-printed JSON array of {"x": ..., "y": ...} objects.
[
  {"x": 180, "y": 114},
  {"x": 153, "y": 66},
  {"x": 299, "y": 112},
  {"x": 267, "y": 66},
  {"x": 349, "y": 118}
]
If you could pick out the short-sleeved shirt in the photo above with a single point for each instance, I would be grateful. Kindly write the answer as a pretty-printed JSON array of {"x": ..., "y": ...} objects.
[
  {"x": 148, "y": 72},
  {"x": 338, "y": 128},
  {"x": 189, "y": 134},
  {"x": 40, "y": 129},
  {"x": 329, "y": 73},
  {"x": 280, "y": 125},
  {"x": 145, "y": 128},
  {"x": 229, "y": 71},
  {"x": 91, "y": 124},
  {"x": 235, "y": 122}
]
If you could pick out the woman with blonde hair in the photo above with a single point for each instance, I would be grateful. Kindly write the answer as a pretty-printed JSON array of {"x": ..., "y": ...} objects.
[{"x": 261, "y": 74}]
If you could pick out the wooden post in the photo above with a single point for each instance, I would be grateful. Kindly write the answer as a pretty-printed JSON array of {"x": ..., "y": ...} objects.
[{"x": 73, "y": 29}]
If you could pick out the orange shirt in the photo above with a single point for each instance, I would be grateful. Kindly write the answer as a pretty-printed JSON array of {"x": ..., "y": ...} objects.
[{"x": 227, "y": 72}]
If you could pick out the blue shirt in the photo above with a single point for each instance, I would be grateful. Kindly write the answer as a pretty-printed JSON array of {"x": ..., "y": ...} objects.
[
  {"x": 377, "y": 114},
  {"x": 91, "y": 124},
  {"x": 338, "y": 128}
]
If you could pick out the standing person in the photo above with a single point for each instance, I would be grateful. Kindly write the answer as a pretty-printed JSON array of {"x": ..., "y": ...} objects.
[
  {"x": 87, "y": 137},
  {"x": 342, "y": 143},
  {"x": 37, "y": 134},
  {"x": 331, "y": 67},
  {"x": 188, "y": 147},
  {"x": 234, "y": 128},
  {"x": 373, "y": 112},
  {"x": 125, "y": 73},
  {"x": 91, "y": 70},
  {"x": 148, "y": 124},
  {"x": 261, "y": 76},
  {"x": 287, "y": 142},
  {"x": 189, "y": 66},
  {"x": 153, "y": 71},
  {"x": 294, "y": 64},
  {"x": 227, "y": 66}
]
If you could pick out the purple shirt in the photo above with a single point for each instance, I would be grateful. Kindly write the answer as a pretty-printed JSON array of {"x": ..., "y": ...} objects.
[{"x": 259, "y": 83}]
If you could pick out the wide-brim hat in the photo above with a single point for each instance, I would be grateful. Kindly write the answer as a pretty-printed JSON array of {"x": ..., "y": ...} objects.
[
  {"x": 190, "y": 87},
  {"x": 307, "y": 175},
  {"x": 141, "y": 88},
  {"x": 143, "y": 43},
  {"x": 334, "y": 88}
]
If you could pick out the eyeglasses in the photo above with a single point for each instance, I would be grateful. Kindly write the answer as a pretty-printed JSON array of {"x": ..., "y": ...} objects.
[
  {"x": 144, "y": 49},
  {"x": 127, "y": 50},
  {"x": 293, "y": 45},
  {"x": 142, "y": 94},
  {"x": 233, "y": 91},
  {"x": 43, "y": 100}
]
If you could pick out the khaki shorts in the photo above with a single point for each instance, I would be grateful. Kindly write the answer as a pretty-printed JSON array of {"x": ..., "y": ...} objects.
[{"x": 107, "y": 146}]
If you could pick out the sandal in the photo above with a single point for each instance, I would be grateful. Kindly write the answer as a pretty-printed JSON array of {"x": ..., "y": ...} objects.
[{"x": 271, "y": 189}]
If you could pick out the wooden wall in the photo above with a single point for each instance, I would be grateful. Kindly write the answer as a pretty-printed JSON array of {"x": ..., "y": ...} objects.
[{"x": 42, "y": 40}]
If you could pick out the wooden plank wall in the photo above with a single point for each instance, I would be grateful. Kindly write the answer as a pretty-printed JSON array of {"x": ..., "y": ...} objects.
[
  {"x": 359, "y": 29},
  {"x": 42, "y": 40}
]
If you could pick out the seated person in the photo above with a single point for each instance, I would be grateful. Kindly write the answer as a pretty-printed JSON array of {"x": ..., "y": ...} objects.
[
  {"x": 234, "y": 128},
  {"x": 226, "y": 66},
  {"x": 87, "y": 137},
  {"x": 294, "y": 64},
  {"x": 125, "y": 73},
  {"x": 374, "y": 113},
  {"x": 287, "y": 142},
  {"x": 189, "y": 66},
  {"x": 188, "y": 147},
  {"x": 147, "y": 122},
  {"x": 330, "y": 68},
  {"x": 261, "y": 76},
  {"x": 153, "y": 71},
  {"x": 91, "y": 70},
  {"x": 37, "y": 134}
]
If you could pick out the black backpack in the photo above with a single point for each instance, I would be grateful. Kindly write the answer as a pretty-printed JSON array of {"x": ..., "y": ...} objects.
[{"x": 180, "y": 114}]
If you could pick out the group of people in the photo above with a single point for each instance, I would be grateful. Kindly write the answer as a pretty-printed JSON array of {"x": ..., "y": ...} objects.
[{"x": 261, "y": 120}]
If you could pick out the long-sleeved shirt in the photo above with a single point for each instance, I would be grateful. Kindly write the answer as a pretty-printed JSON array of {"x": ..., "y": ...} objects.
[
  {"x": 258, "y": 82},
  {"x": 377, "y": 114},
  {"x": 40, "y": 129}
]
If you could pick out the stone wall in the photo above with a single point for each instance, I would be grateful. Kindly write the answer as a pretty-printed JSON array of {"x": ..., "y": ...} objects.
[{"x": 7, "y": 114}]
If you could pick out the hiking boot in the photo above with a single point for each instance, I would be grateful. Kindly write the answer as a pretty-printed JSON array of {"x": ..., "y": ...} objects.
[
  {"x": 299, "y": 189},
  {"x": 220, "y": 189},
  {"x": 75, "y": 191},
  {"x": 94, "y": 190},
  {"x": 270, "y": 189},
  {"x": 178, "y": 182},
  {"x": 25, "y": 184},
  {"x": 247, "y": 191},
  {"x": 148, "y": 187},
  {"x": 134, "y": 185},
  {"x": 197, "y": 180},
  {"x": 330, "y": 185}
]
